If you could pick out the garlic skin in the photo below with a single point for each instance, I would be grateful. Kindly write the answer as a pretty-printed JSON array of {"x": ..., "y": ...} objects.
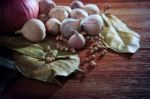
[
  {"x": 76, "y": 4},
  {"x": 92, "y": 24},
  {"x": 91, "y": 9},
  {"x": 33, "y": 30},
  {"x": 78, "y": 13},
  {"x": 45, "y": 6},
  {"x": 76, "y": 41},
  {"x": 68, "y": 26},
  {"x": 53, "y": 26},
  {"x": 58, "y": 13}
]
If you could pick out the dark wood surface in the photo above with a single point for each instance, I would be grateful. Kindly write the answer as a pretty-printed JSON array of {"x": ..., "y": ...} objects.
[{"x": 117, "y": 76}]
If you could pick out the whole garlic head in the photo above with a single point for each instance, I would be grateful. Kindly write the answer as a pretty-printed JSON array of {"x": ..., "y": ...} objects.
[
  {"x": 92, "y": 24},
  {"x": 76, "y": 41},
  {"x": 53, "y": 26},
  {"x": 78, "y": 13},
  {"x": 68, "y": 26},
  {"x": 33, "y": 30},
  {"x": 91, "y": 9},
  {"x": 58, "y": 13}
]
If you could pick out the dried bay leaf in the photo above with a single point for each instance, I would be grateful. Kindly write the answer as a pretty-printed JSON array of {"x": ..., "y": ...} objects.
[
  {"x": 33, "y": 68},
  {"x": 118, "y": 36}
]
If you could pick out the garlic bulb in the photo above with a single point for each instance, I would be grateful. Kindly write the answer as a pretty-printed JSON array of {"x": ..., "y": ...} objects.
[
  {"x": 68, "y": 26},
  {"x": 91, "y": 9},
  {"x": 76, "y": 4},
  {"x": 53, "y": 26},
  {"x": 45, "y": 6},
  {"x": 76, "y": 41},
  {"x": 33, "y": 30},
  {"x": 58, "y": 13},
  {"x": 92, "y": 24},
  {"x": 78, "y": 13}
]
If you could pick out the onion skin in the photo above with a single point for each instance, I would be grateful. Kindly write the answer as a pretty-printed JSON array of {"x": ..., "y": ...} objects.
[{"x": 14, "y": 13}]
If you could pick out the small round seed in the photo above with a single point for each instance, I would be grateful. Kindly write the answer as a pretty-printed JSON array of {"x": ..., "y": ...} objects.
[
  {"x": 53, "y": 58},
  {"x": 60, "y": 37},
  {"x": 48, "y": 59},
  {"x": 57, "y": 38},
  {"x": 61, "y": 48},
  {"x": 93, "y": 57},
  {"x": 73, "y": 50},
  {"x": 95, "y": 48},
  {"x": 91, "y": 51},
  {"x": 104, "y": 52},
  {"x": 96, "y": 37},
  {"x": 93, "y": 63},
  {"x": 66, "y": 49}
]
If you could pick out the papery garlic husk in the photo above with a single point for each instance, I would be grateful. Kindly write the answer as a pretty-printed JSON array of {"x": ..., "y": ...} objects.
[
  {"x": 43, "y": 17},
  {"x": 92, "y": 24},
  {"x": 91, "y": 9},
  {"x": 68, "y": 26},
  {"x": 68, "y": 9},
  {"x": 45, "y": 6},
  {"x": 33, "y": 30},
  {"x": 53, "y": 26},
  {"x": 76, "y": 4},
  {"x": 58, "y": 13},
  {"x": 76, "y": 41},
  {"x": 78, "y": 13}
]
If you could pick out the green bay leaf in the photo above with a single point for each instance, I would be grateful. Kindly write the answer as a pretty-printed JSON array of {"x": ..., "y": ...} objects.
[{"x": 118, "y": 36}]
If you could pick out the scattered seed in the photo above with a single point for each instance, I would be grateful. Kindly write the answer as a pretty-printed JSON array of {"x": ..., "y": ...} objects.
[
  {"x": 61, "y": 48},
  {"x": 95, "y": 49},
  {"x": 93, "y": 63},
  {"x": 91, "y": 51},
  {"x": 96, "y": 37},
  {"x": 66, "y": 49},
  {"x": 73, "y": 50},
  {"x": 60, "y": 37},
  {"x": 93, "y": 57},
  {"x": 48, "y": 59},
  {"x": 104, "y": 52},
  {"x": 53, "y": 58}
]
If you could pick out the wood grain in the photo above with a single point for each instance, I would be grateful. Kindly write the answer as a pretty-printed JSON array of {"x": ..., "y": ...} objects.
[{"x": 117, "y": 76}]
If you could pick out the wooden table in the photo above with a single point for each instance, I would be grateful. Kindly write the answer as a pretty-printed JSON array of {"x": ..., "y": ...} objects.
[{"x": 117, "y": 76}]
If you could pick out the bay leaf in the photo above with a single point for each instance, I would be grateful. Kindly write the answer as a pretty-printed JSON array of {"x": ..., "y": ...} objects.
[
  {"x": 33, "y": 68},
  {"x": 118, "y": 36}
]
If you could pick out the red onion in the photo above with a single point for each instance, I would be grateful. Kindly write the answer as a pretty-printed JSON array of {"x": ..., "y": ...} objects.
[{"x": 14, "y": 13}]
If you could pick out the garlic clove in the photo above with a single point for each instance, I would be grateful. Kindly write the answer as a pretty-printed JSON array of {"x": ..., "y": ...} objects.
[
  {"x": 68, "y": 9},
  {"x": 91, "y": 9},
  {"x": 68, "y": 26},
  {"x": 76, "y": 4},
  {"x": 76, "y": 41},
  {"x": 53, "y": 26},
  {"x": 58, "y": 13},
  {"x": 78, "y": 13},
  {"x": 92, "y": 24},
  {"x": 45, "y": 6},
  {"x": 33, "y": 30}
]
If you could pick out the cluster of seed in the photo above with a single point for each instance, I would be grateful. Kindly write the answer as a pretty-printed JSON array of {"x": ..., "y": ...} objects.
[
  {"x": 63, "y": 48},
  {"x": 90, "y": 60},
  {"x": 61, "y": 38},
  {"x": 91, "y": 38},
  {"x": 48, "y": 58}
]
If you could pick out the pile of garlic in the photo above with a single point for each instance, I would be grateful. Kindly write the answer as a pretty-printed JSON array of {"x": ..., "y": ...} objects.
[{"x": 68, "y": 21}]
